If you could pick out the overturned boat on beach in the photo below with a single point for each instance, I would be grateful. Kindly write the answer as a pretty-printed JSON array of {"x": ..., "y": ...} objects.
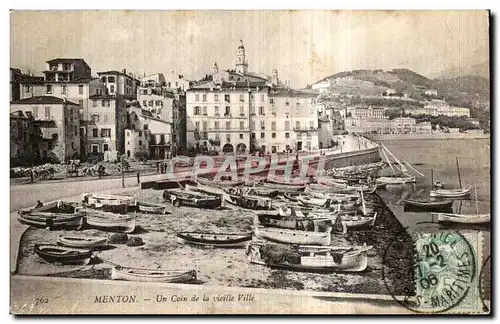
[
  {"x": 323, "y": 259},
  {"x": 63, "y": 255}
]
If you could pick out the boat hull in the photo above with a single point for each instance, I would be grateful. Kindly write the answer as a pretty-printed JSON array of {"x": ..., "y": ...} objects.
[
  {"x": 82, "y": 241},
  {"x": 293, "y": 236},
  {"x": 53, "y": 221},
  {"x": 289, "y": 222},
  {"x": 462, "y": 219},
  {"x": 450, "y": 193},
  {"x": 111, "y": 223},
  {"x": 130, "y": 274},
  {"x": 213, "y": 239},
  {"x": 63, "y": 255}
]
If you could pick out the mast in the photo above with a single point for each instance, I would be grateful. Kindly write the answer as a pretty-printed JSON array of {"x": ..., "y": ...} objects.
[
  {"x": 477, "y": 206},
  {"x": 363, "y": 201},
  {"x": 458, "y": 170},
  {"x": 403, "y": 169},
  {"x": 388, "y": 161},
  {"x": 411, "y": 167},
  {"x": 432, "y": 179}
]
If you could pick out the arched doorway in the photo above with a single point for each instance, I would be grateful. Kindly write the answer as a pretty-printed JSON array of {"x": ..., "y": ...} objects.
[
  {"x": 241, "y": 148},
  {"x": 228, "y": 148}
]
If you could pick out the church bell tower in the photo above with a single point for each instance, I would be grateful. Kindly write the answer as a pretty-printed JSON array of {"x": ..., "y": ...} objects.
[{"x": 241, "y": 60}]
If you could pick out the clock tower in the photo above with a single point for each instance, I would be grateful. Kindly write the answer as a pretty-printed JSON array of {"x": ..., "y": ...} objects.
[{"x": 241, "y": 60}]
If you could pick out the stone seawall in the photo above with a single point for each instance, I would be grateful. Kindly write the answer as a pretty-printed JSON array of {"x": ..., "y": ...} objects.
[{"x": 443, "y": 136}]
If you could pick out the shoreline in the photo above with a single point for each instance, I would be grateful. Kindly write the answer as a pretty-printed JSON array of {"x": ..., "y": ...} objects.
[{"x": 405, "y": 137}]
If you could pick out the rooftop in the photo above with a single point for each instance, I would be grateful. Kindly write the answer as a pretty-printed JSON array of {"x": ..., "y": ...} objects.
[
  {"x": 69, "y": 60},
  {"x": 43, "y": 100},
  {"x": 287, "y": 92},
  {"x": 114, "y": 72}
]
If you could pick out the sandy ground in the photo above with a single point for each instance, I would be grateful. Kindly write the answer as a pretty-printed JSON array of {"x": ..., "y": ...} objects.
[{"x": 227, "y": 267}]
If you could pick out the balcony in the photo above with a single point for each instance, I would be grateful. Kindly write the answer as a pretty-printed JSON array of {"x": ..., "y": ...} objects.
[
  {"x": 305, "y": 129},
  {"x": 225, "y": 129}
]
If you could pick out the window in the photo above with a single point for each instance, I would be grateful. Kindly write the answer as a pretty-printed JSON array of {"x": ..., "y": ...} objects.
[
  {"x": 287, "y": 135},
  {"x": 227, "y": 98},
  {"x": 228, "y": 137},
  {"x": 228, "y": 125},
  {"x": 273, "y": 125},
  {"x": 104, "y": 79},
  {"x": 112, "y": 89},
  {"x": 205, "y": 110},
  {"x": 273, "y": 135},
  {"x": 287, "y": 103},
  {"x": 111, "y": 79},
  {"x": 105, "y": 147},
  {"x": 309, "y": 137},
  {"x": 205, "y": 125},
  {"x": 80, "y": 114},
  {"x": 216, "y": 125},
  {"x": 297, "y": 124},
  {"x": 197, "y": 125},
  {"x": 94, "y": 103},
  {"x": 28, "y": 88},
  {"x": 80, "y": 89},
  {"x": 35, "y": 112},
  {"x": 47, "y": 112},
  {"x": 72, "y": 145},
  {"x": 252, "y": 110},
  {"x": 217, "y": 137},
  {"x": 63, "y": 89},
  {"x": 197, "y": 97},
  {"x": 196, "y": 110},
  {"x": 242, "y": 111},
  {"x": 242, "y": 97},
  {"x": 216, "y": 97},
  {"x": 242, "y": 124},
  {"x": 144, "y": 92},
  {"x": 241, "y": 136},
  {"x": 98, "y": 92},
  {"x": 105, "y": 103},
  {"x": 262, "y": 135},
  {"x": 204, "y": 97},
  {"x": 150, "y": 103},
  {"x": 106, "y": 132},
  {"x": 252, "y": 124},
  {"x": 228, "y": 111},
  {"x": 140, "y": 143},
  {"x": 252, "y": 96},
  {"x": 49, "y": 88},
  {"x": 299, "y": 136},
  {"x": 262, "y": 98},
  {"x": 159, "y": 103},
  {"x": 76, "y": 130},
  {"x": 94, "y": 118},
  {"x": 287, "y": 125},
  {"x": 145, "y": 127},
  {"x": 105, "y": 118},
  {"x": 216, "y": 109},
  {"x": 144, "y": 103},
  {"x": 80, "y": 102},
  {"x": 262, "y": 125},
  {"x": 298, "y": 103},
  {"x": 261, "y": 110},
  {"x": 271, "y": 101},
  {"x": 311, "y": 124},
  {"x": 95, "y": 132}
]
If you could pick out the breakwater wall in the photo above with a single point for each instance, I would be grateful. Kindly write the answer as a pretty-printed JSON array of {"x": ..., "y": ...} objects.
[{"x": 440, "y": 136}]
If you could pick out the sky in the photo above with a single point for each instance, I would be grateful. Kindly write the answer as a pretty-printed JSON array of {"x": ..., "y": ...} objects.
[{"x": 304, "y": 46}]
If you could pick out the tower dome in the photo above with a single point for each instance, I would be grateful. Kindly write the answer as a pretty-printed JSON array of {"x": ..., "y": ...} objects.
[{"x": 241, "y": 60}]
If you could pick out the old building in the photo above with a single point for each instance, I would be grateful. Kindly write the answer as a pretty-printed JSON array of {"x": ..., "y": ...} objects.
[
  {"x": 32, "y": 86},
  {"x": 15, "y": 84},
  {"x": 24, "y": 139},
  {"x": 148, "y": 135},
  {"x": 105, "y": 137},
  {"x": 441, "y": 107},
  {"x": 240, "y": 111},
  {"x": 59, "y": 122},
  {"x": 120, "y": 83}
]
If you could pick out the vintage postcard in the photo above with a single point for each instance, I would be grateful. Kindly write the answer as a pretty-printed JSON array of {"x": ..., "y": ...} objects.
[{"x": 250, "y": 162}]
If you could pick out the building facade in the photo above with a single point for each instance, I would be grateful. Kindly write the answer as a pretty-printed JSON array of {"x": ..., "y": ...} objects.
[
  {"x": 120, "y": 83},
  {"x": 403, "y": 125},
  {"x": 59, "y": 122},
  {"x": 15, "y": 84}
]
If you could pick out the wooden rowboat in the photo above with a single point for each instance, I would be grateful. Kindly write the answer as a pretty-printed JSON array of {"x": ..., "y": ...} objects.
[
  {"x": 82, "y": 241},
  {"x": 292, "y": 236},
  {"x": 283, "y": 187},
  {"x": 249, "y": 202},
  {"x": 331, "y": 190},
  {"x": 357, "y": 221},
  {"x": 57, "y": 215},
  {"x": 302, "y": 211},
  {"x": 199, "y": 188},
  {"x": 151, "y": 208},
  {"x": 223, "y": 240},
  {"x": 428, "y": 204},
  {"x": 287, "y": 182},
  {"x": 220, "y": 183},
  {"x": 111, "y": 222},
  {"x": 100, "y": 200},
  {"x": 63, "y": 255},
  {"x": 290, "y": 222},
  {"x": 396, "y": 180},
  {"x": 462, "y": 219},
  {"x": 451, "y": 193},
  {"x": 184, "y": 198},
  {"x": 323, "y": 259},
  {"x": 150, "y": 275}
]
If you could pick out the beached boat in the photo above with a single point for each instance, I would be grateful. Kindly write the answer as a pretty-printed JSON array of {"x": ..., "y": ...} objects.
[
  {"x": 183, "y": 198},
  {"x": 82, "y": 241},
  {"x": 290, "y": 222},
  {"x": 249, "y": 202},
  {"x": 220, "y": 183},
  {"x": 343, "y": 187},
  {"x": 323, "y": 259},
  {"x": 64, "y": 255},
  {"x": 428, "y": 204},
  {"x": 461, "y": 218},
  {"x": 223, "y": 240},
  {"x": 331, "y": 190},
  {"x": 150, "y": 275},
  {"x": 111, "y": 222},
  {"x": 334, "y": 197},
  {"x": 293, "y": 236},
  {"x": 287, "y": 182},
  {"x": 349, "y": 221},
  {"x": 302, "y": 211},
  {"x": 314, "y": 202},
  {"x": 199, "y": 188},
  {"x": 450, "y": 193},
  {"x": 151, "y": 208},
  {"x": 283, "y": 187},
  {"x": 57, "y": 215},
  {"x": 396, "y": 180},
  {"x": 102, "y": 199}
]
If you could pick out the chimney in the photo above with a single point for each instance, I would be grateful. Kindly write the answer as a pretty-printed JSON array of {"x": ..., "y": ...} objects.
[{"x": 124, "y": 71}]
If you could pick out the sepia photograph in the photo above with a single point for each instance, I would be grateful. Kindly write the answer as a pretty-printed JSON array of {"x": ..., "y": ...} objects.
[{"x": 309, "y": 162}]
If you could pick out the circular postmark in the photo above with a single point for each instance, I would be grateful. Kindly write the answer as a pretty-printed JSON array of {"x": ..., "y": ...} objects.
[
  {"x": 484, "y": 285},
  {"x": 434, "y": 275}
]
